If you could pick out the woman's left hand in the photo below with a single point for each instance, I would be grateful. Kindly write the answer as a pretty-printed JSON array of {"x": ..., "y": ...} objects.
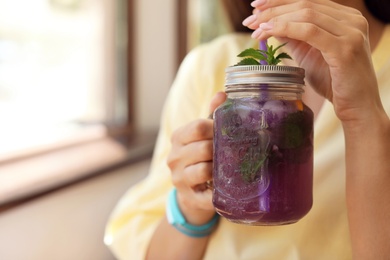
[{"x": 330, "y": 41}]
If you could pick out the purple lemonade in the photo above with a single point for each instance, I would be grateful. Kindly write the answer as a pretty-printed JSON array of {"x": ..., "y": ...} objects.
[{"x": 263, "y": 154}]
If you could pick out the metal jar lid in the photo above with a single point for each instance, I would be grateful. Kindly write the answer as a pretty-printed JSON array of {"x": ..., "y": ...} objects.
[{"x": 254, "y": 74}]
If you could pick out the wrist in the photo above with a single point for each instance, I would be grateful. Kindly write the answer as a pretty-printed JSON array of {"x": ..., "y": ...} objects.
[
  {"x": 192, "y": 213},
  {"x": 176, "y": 219},
  {"x": 368, "y": 125}
]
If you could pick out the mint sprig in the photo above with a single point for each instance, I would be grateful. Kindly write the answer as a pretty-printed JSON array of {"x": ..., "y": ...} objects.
[
  {"x": 249, "y": 169},
  {"x": 254, "y": 56}
]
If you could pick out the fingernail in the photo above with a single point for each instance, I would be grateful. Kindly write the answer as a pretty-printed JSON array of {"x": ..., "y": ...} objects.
[
  {"x": 256, "y": 33},
  {"x": 257, "y": 3},
  {"x": 249, "y": 20},
  {"x": 266, "y": 26}
]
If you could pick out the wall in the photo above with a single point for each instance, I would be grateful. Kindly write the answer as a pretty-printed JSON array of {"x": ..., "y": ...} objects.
[
  {"x": 155, "y": 56},
  {"x": 69, "y": 223}
]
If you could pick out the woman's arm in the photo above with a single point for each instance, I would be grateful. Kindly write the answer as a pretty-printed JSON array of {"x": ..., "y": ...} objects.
[
  {"x": 368, "y": 185},
  {"x": 332, "y": 43},
  {"x": 168, "y": 243},
  {"x": 190, "y": 162}
]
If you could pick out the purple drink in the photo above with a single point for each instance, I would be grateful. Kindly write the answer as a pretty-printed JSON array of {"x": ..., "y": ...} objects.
[{"x": 263, "y": 159}]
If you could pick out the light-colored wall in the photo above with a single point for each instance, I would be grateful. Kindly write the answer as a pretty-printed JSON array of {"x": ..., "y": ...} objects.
[
  {"x": 155, "y": 58},
  {"x": 67, "y": 224}
]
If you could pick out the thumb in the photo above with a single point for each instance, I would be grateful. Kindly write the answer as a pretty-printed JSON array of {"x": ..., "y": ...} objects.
[{"x": 216, "y": 101}]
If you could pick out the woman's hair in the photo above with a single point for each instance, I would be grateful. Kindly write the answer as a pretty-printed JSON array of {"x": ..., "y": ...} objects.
[
  {"x": 380, "y": 9},
  {"x": 237, "y": 11}
]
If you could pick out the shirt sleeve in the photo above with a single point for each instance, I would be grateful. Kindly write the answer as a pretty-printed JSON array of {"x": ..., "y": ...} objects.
[{"x": 140, "y": 210}]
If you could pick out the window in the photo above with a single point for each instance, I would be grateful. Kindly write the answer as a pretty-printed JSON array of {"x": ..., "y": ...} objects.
[
  {"x": 65, "y": 92},
  {"x": 62, "y": 71}
]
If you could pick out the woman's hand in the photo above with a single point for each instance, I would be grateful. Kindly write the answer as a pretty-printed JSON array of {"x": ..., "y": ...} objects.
[
  {"x": 190, "y": 161},
  {"x": 330, "y": 41}
]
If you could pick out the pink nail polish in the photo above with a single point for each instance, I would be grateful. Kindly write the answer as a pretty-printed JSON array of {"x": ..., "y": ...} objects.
[
  {"x": 249, "y": 20},
  {"x": 266, "y": 26},
  {"x": 257, "y": 3},
  {"x": 256, "y": 33}
]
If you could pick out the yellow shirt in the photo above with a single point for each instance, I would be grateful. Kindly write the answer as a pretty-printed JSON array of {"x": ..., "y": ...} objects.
[{"x": 322, "y": 234}]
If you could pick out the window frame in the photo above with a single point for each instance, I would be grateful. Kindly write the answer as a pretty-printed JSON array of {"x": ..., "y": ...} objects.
[
  {"x": 39, "y": 171},
  {"x": 182, "y": 24}
]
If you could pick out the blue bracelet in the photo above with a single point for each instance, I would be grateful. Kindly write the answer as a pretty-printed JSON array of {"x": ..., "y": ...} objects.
[{"x": 176, "y": 219}]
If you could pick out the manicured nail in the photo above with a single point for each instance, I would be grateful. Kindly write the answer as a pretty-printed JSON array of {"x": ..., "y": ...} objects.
[
  {"x": 256, "y": 33},
  {"x": 249, "y": 20},
  {"x": 257, "y": 3},
  {"x": 266, "y": 26}
]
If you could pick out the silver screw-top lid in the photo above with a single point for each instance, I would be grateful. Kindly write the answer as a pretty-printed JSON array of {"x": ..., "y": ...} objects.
[{"x": 254, "y": 74}]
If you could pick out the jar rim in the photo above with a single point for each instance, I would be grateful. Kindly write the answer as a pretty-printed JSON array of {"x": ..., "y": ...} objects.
[{"x": 253, "y": 74}]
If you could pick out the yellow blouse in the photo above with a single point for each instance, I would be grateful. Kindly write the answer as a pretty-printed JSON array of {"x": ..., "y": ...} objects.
[{"x": 322, "y": 234}]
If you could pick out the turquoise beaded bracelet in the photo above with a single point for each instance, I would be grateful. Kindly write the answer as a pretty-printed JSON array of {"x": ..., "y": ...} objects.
[{"x": 176, "y": 219}]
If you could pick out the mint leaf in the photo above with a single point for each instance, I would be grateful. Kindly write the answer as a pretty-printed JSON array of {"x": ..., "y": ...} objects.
[
  {"x": 249, "y": 169},
  {"x": 253, "y": 53},
  {"x": 293, "y": 136},
  {"x": 254, "y": 56},
  {"x": 283, "y": 55},
  {"x": 292, "y": 131},
  {"x": 248, "y": 61}
]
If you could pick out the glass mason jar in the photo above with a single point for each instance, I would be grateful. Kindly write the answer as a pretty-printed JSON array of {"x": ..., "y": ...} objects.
[{"x": 263, "y": 147}]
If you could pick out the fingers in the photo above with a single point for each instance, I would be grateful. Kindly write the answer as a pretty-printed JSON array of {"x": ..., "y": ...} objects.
[
  {"x": 198, "y": 130},
  {"x": 305, "y": 11},
  {"x": 333, "y": 46},
  {"x": 190, "y": 161},
  {"x": 194, "y": 177},
  {"x": 198, "y": 173},
  {"x": 316, "y": 17},
  {"x": 191, "y": 144},
  {"x": 325, "y": 25},
  {"x": 192, "y": 153},
  {"x": 309, "y": 11},
  {"x": 302, "y": 4},
  {"x": 192, "y": 201},
  {"x": 306, "y": 32}
]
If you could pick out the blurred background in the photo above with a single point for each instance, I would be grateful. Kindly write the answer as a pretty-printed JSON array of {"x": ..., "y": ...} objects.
[{"x": 82, "y": 85}]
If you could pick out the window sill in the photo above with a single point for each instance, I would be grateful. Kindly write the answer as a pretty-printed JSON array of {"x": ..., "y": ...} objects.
[{"x": 29, "y": 177}]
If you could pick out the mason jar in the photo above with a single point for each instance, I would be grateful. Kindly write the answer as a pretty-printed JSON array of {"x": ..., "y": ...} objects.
[{"x": 263, "y": 147}]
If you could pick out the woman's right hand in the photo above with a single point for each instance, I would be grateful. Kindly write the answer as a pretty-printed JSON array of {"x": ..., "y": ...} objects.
[
  {"x": 190, "y": 162},
  {"x": 331, "y": 42}
]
